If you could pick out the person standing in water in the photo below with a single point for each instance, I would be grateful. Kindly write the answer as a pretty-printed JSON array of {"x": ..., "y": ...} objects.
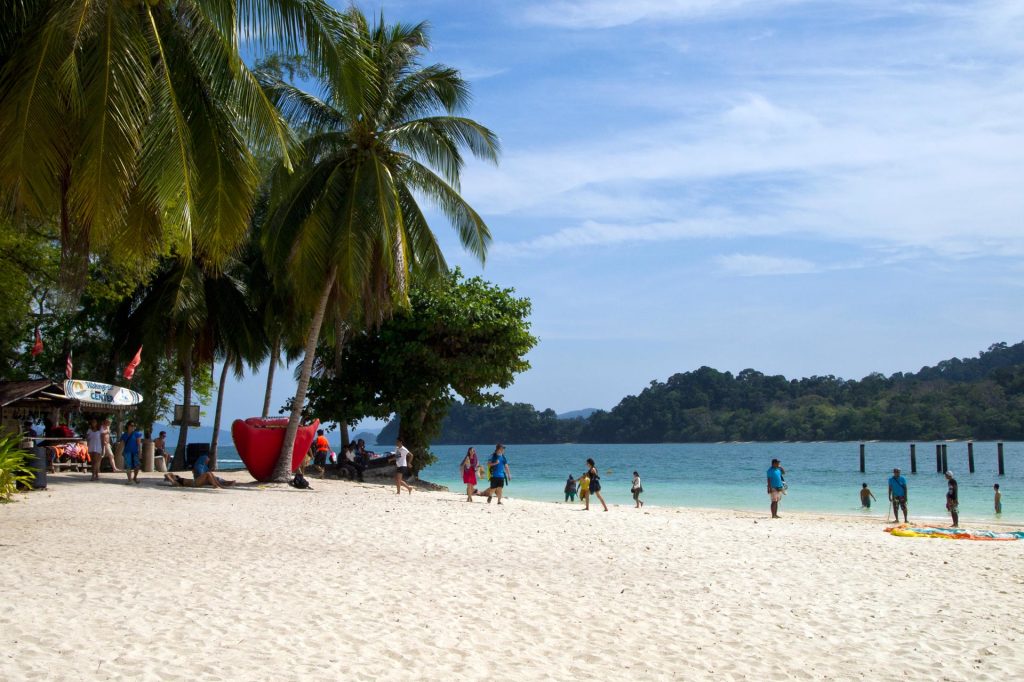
[
  {"x": 570, "y": 489},
  {"x": 866, "y": 496},
  {"x": 636, "y": 489},
  {"x": 998, "y": 499},
  {"x": 595, "y": 484},
  {"x": 775, "y": 486}
]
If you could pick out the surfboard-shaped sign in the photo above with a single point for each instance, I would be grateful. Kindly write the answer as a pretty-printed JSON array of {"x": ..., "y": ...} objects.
[{"x": 95, "y": 393}]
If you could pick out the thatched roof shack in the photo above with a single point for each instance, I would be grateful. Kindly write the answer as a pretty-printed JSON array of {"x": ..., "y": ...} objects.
[{"x": 20, "y": 400}]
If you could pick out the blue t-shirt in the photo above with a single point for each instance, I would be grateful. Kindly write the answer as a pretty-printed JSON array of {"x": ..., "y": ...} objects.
[
  {"x": 201, "y": 466},
  {"x": 131, "y": 442},
  {"x": 498, "y": 463},
  {"x": 898, "y": 486},
  {"x": 775, "y": 478}
]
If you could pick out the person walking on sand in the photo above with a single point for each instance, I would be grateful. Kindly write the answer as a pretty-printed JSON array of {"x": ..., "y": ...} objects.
[
  {"x": 866, "y": 496},
  {"x": 952, "y": 499},
  {"x": 108, "y": 451},
  {"x": 469, "y": 464},
  {"x": 998, "y": 499},
  {"x": 94, "y": 438},
  {"x": 898, "y": 493},
  {"x": 132, "y": 440},
  {"x": 403, "y": 466},
  {"x": 636, "y": 489},
  {"x": 595, "y": 484},
  {"x": 776, "y": 486},
  {"x": 570, "y": 489},
  {"x": 500, "y": 475}
]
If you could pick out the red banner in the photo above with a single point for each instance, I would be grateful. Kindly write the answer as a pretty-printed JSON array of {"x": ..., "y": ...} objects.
[
  {"x": 37, "y": 347},
  {"x": 129, "y": 371}
]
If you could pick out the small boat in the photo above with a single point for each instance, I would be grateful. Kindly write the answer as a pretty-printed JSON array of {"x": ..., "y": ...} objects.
[{"x": 259, "y": 442}]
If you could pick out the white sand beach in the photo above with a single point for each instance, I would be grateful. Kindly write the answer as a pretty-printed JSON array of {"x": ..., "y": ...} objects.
[{"x": 349, "y": 581}]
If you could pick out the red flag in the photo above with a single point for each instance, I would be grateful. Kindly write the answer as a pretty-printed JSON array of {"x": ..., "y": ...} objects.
[
  {"x": 69, "y": 367},
  {"x": 129, "y": 371},
  {"x": 37, "y": 347}
]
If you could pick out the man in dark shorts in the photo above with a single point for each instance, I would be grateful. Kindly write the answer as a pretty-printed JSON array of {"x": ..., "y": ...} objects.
[
  {"x": 953, "y": 499},
  {"x": 898, "y": 495},
  {"x": 499, "y": 473}
]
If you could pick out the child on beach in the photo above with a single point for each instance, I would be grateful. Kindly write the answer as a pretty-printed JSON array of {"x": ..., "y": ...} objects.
[
  {"x": 584, "y": 482},
  {"x": 570, "y": 489},
  {"x": 866, "y": 496},
  {"x": 999, "y": 499},
  {"x": 636, "y": 489}
]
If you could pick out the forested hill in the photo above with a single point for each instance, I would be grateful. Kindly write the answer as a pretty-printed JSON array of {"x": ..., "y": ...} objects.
[{"x": 980, "y": 397}]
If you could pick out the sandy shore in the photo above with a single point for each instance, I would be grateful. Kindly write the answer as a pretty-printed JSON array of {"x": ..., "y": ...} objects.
[{"x": 349, "y": 581}]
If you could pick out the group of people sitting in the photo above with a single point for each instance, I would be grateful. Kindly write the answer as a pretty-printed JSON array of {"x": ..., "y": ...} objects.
[{"x": 352, "y": 462}]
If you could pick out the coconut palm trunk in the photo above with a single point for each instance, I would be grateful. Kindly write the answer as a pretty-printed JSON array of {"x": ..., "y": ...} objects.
[
  {"x": 275, "y": 354},
  {"x": 215, "y": 438},
  {"x": 284, "y": 459},
  {"x": 179, "y": 451}
]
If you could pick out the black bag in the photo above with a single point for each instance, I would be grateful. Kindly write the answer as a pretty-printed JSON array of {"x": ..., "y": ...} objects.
[{"x": 299, "y": 481}]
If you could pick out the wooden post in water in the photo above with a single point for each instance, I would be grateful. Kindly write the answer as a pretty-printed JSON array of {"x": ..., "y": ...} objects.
[
  {"x": 945, "y": 459},
  {"x": 938, "y": 458},
  {"x": 999, "y": 454},
  {"x": 913, "y": 458},
  {"x": 970, "y": 456},
  {"x": 862, "y": 458}
]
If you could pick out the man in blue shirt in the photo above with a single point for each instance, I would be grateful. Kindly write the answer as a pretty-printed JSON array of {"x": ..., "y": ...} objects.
[
  {"x": 775, "y": 486},
  {"x": 898, "y": 494},
  {"x": 499, "y": 473},
  {"x": 132, "y": 440}
]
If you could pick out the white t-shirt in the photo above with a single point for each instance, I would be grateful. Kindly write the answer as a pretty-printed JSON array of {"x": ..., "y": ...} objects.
[
  {"x": 95, "y": 440},
  {"x": 403, "y": 456}
]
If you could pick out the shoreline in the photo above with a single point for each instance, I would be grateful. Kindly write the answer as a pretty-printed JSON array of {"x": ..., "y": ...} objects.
[{"x": 350, "y": 581}]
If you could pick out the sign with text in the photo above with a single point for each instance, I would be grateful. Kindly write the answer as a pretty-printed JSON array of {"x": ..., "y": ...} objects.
[{"x": 96, "y": 394}]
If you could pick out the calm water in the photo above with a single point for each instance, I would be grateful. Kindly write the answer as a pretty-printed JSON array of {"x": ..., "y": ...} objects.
[{"x": 822, "y": 477}]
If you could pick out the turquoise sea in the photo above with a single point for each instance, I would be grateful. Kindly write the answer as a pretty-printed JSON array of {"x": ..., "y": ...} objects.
[{"x": 822, "y": 477}]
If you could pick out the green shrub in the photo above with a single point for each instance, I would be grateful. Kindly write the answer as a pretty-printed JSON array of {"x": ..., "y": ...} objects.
[{"x": 14, "y": 469}]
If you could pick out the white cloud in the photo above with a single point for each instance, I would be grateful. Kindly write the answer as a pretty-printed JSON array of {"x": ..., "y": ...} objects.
[
  {"x": 751, "y": 265},
  {"x": 600, "y": 14}
]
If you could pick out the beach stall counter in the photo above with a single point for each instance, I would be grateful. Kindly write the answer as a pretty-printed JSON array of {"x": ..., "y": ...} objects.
[{"x": 42, "y": 399}]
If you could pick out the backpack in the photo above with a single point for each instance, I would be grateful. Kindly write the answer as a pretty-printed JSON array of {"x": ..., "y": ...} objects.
[{"x": 299, "y": 481}]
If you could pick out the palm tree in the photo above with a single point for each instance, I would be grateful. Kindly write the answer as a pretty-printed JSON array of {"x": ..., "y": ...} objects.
[
  {"x": 190, "y": 311},
  {"x": 131, "y": 120},
  {"x": 346, "y": 228}
]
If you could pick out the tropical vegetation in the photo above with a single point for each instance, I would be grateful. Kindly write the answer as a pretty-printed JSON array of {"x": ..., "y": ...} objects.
[
  {"x": 981, "y": 398},
  {"x": 158, "y": 189},
  {"x": 458, "y": 338}
]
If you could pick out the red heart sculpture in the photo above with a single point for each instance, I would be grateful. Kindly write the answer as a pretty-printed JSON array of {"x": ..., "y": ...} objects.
[{"x": 259, "y": 442}]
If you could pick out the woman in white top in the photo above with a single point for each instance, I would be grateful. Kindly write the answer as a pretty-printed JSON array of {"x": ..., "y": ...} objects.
[
  {"x": 94, "y": 438},
  {"x": 403, "y": 465},
  {"x": 637, "y": 488}
]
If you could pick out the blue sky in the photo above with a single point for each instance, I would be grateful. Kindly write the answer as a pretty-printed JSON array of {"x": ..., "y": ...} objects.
[{"x": 801, "y": 187}]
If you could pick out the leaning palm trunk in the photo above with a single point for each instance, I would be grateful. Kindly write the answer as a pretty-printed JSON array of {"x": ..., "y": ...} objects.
[
  {"x": 275, "y": 353},
  {"x": 284, "y": 459},
  {"x": 216, "y": 415},
  {"x": 179, "y": 451}
]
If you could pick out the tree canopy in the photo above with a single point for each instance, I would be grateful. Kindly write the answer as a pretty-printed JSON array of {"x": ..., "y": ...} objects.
[
  {"x": 458, "y": 337},
  {"x": 980, "y": 397}
]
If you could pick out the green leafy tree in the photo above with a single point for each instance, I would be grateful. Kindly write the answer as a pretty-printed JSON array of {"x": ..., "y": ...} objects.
[
  {"x": 458, "y": 337},
  {"x": 346, "y": 228},
  {"x": 124, "y": 120}
]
